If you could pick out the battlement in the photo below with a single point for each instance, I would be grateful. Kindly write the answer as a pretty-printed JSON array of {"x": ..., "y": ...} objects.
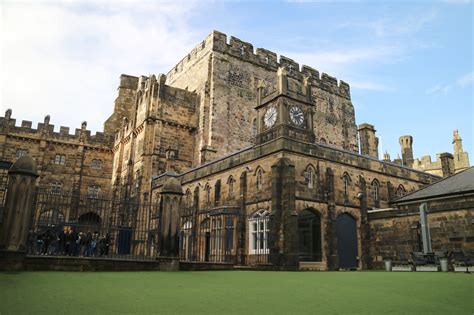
[
  {"x": 128, "y": 82},
  {"x": 46, "y": 130},
  {"x": 217, "y": 41},
  {"x": 268, "y": 59}
]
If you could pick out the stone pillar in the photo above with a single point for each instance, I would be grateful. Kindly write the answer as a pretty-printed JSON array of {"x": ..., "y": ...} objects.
[
  {"x": 364, "y": 225},
  {"x": 242, "y": 223},
  {"x": 447, "y": 164},
  {"x": 171, "y": 195},
  {"x": 18, "y": 212},
  {"x": 283, "y": 240},
  {"x": 330, "y": 235}
]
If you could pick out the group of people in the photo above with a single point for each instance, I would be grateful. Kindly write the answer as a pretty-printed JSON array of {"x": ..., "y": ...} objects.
[{"x": 68, "y": 242}]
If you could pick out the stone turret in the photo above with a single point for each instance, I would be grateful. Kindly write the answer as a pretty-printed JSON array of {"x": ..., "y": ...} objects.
[
  {"x": 461, "y": 158},
  {"x": 386, "y": 157},
  {"x": 369, "y": 143},
  {"x": 406, "y": 145}
]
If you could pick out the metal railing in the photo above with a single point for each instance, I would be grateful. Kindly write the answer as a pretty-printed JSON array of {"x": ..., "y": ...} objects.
[{"x": 65, "y": 224}]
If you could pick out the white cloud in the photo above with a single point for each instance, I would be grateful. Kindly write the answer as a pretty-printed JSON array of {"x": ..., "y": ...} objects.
[
  {"x": 65, "y": 59},
  {"x": 391, "y": 27},
  {"x": 371, "y": 86},
  {"x": 465, "y": 80},
  {"x": 461, "y": 82},
  {"x": 439, "y": 88}
]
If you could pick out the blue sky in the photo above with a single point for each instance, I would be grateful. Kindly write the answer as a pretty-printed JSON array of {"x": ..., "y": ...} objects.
[{"x": 409, "y": 64}]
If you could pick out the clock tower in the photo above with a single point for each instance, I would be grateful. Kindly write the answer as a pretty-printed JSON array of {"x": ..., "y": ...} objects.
[{"x": 286, "y": 112}]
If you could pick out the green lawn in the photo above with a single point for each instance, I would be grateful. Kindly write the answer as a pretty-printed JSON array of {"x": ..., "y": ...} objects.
[{"x": 236, "y": 292}]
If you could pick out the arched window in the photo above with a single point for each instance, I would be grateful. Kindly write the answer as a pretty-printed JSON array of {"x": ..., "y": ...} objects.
[
  {"x": 94, "y": 191},
  {"x": 310, "y": 176},
  {"x": 189, "y": 198},
  {"x": 56, "y": 187},
  {"x": 259, "y": 179},
  {"x": 231, "y": 182},
  {"x": 254, "y": 127},
  {"x": 401, "y": 191},
  {"x": 346, "y": 181},
  {"x": 258, "y": 232},
  {"x": 207, "y": 189},
  {"x": 96, "y": 164},
  {"x": 375, "y": 191},
  {"x": 217, "y": 192}
]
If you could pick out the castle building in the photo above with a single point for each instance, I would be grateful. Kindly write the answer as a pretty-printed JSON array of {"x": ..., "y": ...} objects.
[
  {"x": 446, "y": 163},
  {"x": 253, "y": 158},
  {"x": 287, "y": 200},
  {"x": 78, "y": 163}
]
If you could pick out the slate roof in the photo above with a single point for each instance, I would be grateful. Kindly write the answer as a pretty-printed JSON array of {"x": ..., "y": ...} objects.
[{"x": 459, "y": 183}]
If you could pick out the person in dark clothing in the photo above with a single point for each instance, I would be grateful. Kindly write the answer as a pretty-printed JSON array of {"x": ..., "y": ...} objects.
[
  {"x": 31, "y": 242},
  {"x": 46, "y": 241},
  {"x": 107, "y": 244},
  {"x": 62, "y": 241},
  {"x": 94, "y": 243},
  {"x": 88, "y": 243},
  {"x": 102, "y": 245}
]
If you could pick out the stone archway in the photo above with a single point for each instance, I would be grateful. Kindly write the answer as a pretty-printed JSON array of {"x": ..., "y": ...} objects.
[
  {"x": 89, "y": 221},
  {"x": 346, "y": 231},
  {"x": 309, "y": 235}
]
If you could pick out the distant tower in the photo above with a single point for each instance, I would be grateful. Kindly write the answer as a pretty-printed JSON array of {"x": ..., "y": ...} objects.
[
  {"x": 369, "y": 143},
  {"x": 461, "y": 158},
  {"x": 386, "y": 157},
  {"x": 406, "y": 143}
]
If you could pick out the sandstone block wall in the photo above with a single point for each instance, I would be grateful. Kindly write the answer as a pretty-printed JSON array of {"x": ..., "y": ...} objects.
[
  {"x": 397, "y": 233},
  {"x": 78, "y": 150},
  {"x": 226, "y": 76}
]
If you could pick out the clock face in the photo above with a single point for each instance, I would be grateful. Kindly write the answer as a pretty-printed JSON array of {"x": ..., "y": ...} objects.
[
  {"x": 270, "y": 116},
  {"x": 296, "y": 115}
]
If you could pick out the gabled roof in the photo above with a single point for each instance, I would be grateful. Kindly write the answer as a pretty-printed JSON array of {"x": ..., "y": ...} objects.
[{"x": 460, "y": 183}]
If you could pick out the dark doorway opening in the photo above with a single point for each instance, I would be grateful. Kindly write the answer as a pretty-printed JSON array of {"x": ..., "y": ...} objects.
[
  {"x": 346, "y": 230},
  {"x": 309, "y": 236}
]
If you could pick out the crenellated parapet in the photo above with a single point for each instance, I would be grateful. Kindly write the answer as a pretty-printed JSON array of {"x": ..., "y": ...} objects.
[
  {"x": 45, "y": 131},
  {"x": 268, "y": 59},
  {"x": 217, "y": 41}
]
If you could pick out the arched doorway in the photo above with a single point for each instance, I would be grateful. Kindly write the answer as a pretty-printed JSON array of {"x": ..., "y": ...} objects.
[
  {"x": 346, "y": 231},
  {"x": 89, "y": 221},
  {"x": 205, "y": 251},
  {"x": 51, "y": 218},
  {"x": 309, "y": 236}
]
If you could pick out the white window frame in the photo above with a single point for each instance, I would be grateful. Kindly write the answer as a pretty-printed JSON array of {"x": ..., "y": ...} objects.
[
  {"x": 258, "y": 233},
  {"x": 93, "y": 191},
  {"x": 20, "y": 152},
  {"x": 96, "y": 164},
  {"x": 56, "y": 187},
  {"x": 59, "y": 159}
]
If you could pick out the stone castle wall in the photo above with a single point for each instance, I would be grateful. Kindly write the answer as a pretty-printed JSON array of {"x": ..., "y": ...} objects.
[{"x": 76, "y": 173}]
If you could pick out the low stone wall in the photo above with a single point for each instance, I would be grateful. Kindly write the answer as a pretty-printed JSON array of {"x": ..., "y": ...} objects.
[
  {"x": 203, "y": 266},
  {"x": 397, "y": 233},
  {"x": 43, "y": 263}
]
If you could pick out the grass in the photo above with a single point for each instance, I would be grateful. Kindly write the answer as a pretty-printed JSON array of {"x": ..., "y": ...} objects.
[{"x": 236, "y": 292}]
